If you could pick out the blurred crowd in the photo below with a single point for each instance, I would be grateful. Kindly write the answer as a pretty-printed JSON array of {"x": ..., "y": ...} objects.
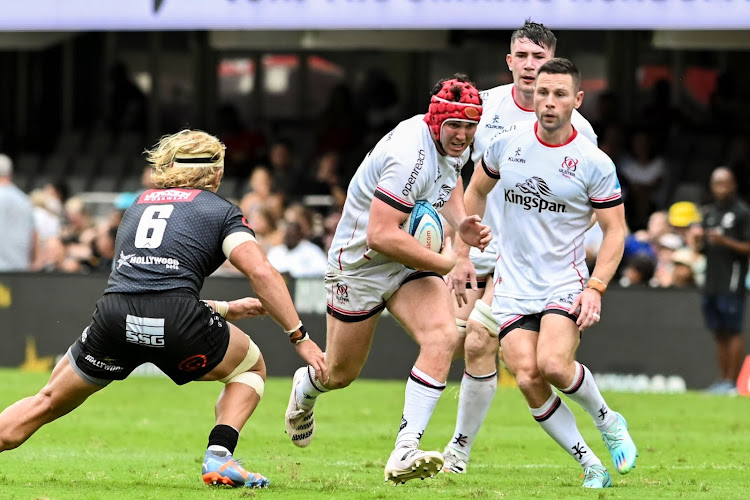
[{"x": 293, "y": 196}]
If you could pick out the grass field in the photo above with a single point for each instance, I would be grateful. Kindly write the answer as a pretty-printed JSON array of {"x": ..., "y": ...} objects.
[{"x": 144, "y": 439}]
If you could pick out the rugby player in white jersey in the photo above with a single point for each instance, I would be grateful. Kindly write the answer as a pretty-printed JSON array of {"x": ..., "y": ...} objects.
[
  {"x": 551, "y": 179},
  {"x": 530, "y": 46},
  {"x": 374, "y": 264}
]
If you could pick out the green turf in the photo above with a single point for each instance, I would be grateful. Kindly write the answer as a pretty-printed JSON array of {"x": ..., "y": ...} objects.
[{"x": 144, "y": 439}]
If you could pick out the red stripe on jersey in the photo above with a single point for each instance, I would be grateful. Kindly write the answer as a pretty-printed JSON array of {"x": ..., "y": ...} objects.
[
  {"x": 572, "y": 137},
  {"x": 609, "y": 198},
  {"x": 393, "y": 196}
]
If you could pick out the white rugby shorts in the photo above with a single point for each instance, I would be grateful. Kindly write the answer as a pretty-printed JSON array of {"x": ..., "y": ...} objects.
[
  {"x": 357, "y": 294},
  {"x": 511, "y": 313}
]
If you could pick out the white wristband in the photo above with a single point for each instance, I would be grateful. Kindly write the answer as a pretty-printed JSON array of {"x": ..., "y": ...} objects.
[
  {"x": 221, "y": 307},
  {"x": 289, "y": 332}
]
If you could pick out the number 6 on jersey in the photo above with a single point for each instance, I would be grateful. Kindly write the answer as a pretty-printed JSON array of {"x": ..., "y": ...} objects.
[{"x": 156, "y": 225}]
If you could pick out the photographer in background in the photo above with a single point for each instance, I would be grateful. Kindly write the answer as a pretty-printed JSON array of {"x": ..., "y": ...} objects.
[{"x": 724, "y": 238}]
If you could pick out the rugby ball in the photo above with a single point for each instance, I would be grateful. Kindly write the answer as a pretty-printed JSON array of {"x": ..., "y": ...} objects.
[{"x": 424, "y": 224}]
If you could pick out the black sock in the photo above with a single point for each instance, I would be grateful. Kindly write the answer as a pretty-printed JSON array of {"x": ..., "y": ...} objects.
[{"x": 224, "y": 435}]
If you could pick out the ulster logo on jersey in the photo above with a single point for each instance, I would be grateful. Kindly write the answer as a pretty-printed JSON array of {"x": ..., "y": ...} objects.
[
  {"x": 533, "y": 193},
  {"x": 569, "y": 166}
]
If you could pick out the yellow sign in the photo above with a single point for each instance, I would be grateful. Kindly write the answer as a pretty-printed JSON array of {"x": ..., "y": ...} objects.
[
  {"x": 5, "y": 298},
  {"x": 34, "y": 363}
]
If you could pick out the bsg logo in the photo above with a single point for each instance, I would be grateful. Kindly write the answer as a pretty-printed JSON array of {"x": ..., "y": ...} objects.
[{"x": 145, "y": 339}]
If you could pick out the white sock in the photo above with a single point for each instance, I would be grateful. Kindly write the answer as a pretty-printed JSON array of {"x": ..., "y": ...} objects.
[
  {"x": 309, "y": 389},
  {"x": 422, "y": 394},
  {"x": 473, "y": 404},
  {"x": 558, "y": 421},
  {"x": 218, "y": 448},
  {"x": 585, "y": 392}
]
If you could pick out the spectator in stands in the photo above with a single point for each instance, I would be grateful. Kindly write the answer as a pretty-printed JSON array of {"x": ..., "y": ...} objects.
[
  {"x": 725, "y": 240},
  {"x": 260, "y": 193},
  {"x": 327, "y": 180},
  {"x": 683, "y": 262},
  {"x": 265, "y": 225},
  {"x": 666, "y": 246},
  {"x": 685, "y": 219},
  {"x": 285, "y": 170},
  {"x": 638, "y": 271},
  {"x": 47, "y": 226},
  {"x": 56, "y": 193},
  {"x": 645, "y": 241},
  {"x": 310, "y": 224},
  {"x": 644, "y": 172},
  {"x": 18, "y": 241},
  {"x": 102, "y": 248},
  {"x": 297, "y": 256},
  {"x": 682, "y": 216}
]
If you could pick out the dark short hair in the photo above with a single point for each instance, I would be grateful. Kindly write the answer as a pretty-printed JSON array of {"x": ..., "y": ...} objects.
[
  {"x": 456, "y": 91},
  {"x": 536, "y": 33},
  {"x": 562, "y": 66}
]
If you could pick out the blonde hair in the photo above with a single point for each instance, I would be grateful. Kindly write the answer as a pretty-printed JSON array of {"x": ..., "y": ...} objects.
[{"x": 193, "y": 146}]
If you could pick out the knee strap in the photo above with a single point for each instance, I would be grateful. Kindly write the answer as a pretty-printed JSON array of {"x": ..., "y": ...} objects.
[
  {"x": 482, "y": 313},
  {"x": 251, "y": 379},
  {"x": 252, "y": 357},
  {"x": 461, "y": 327}
]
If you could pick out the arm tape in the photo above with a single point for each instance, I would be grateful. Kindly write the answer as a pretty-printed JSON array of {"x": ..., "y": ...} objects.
[{"x": 234, "y": 240}]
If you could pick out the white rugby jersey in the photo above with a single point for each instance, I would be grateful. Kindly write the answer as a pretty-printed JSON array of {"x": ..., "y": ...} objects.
[
  {"x": 500, "y": 114},
  {"x": 402, "y": 168},
  {"x": 548, "y": 195}
]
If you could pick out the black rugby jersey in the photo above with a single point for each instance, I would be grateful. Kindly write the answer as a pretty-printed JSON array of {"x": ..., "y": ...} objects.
[
  {"x": 726, "y": 269},
  {"x": 171, "y": 239}
]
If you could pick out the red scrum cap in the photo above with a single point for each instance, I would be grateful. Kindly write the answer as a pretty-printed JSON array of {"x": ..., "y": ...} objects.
[{"x": 444, "y": 106}]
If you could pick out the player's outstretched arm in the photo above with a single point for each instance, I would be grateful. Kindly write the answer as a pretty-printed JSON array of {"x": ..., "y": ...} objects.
[
  {"x": 246, "y": 307},
  {"x": 274, "y": 296}
]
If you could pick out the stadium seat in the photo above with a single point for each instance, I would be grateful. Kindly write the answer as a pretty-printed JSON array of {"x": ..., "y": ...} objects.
[
  {"x": 85, "y": 165},
  {"x": 104, "y": 183},
  {"x": 54, "y": 166},
  {"x": 69, "y": 143},
  {"x": 77, "y": 183},
  {"x": 99, "y": 144},
  {"x": 128, "y": 143}
]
